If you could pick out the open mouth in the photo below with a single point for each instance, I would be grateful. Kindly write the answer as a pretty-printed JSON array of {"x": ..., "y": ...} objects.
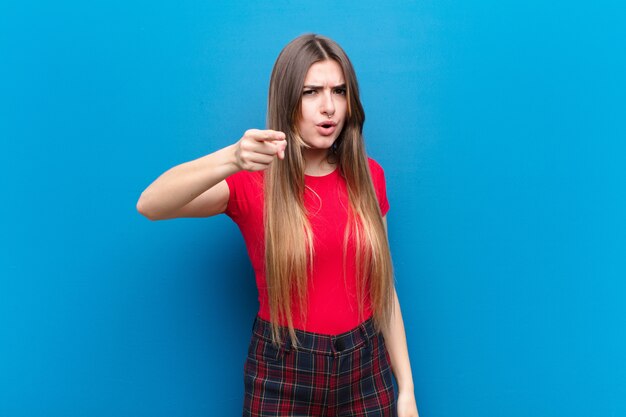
[{"x": 326, "y": 128}]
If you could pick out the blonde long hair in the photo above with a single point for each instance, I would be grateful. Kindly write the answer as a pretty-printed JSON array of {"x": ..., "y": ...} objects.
[{"x": 288, "y": 234}]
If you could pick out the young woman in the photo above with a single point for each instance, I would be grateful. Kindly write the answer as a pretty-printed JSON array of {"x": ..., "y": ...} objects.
[{"x": 312, "y": 209}]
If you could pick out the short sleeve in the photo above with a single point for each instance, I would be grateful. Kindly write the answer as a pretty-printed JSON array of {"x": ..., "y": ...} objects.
[
  {"x": 245, "y": 193},
  {"x": 380, "y": 187},
  {"x": 232, "y": 209}
]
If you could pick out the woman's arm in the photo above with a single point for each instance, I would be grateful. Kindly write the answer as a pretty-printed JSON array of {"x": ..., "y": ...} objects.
[
  {"x": 395, "y": 339},
  {"x": 197, "y": 188}
]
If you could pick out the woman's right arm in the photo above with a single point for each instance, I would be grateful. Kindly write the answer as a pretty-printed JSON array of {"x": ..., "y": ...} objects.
[{"x": 198, "y": 188}]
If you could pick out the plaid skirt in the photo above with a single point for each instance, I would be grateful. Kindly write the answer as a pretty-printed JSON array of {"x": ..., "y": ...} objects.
[{"x": 344, "y": 375}]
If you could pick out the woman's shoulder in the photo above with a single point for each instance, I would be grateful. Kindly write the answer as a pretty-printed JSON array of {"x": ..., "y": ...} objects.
[
  {"x": 245, "y": 179},
  {"x": 378, "y": 180},
  {"x": 246, "y": 194},
  {"x": 375, "y": 168}
]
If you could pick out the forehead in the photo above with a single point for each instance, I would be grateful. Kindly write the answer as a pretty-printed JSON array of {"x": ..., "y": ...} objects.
[{"x": 327, "y": 72}]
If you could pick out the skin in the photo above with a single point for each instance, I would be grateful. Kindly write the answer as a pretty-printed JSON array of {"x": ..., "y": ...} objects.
[
  {"x": 198, "y": 188},
  {"x": 323, "y": 100}
]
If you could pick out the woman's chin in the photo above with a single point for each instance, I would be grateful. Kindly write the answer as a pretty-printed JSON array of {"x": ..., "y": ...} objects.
[{"x": 321, "y": 144}]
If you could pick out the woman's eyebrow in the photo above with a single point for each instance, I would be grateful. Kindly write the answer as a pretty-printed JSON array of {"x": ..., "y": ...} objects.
[{"x": 317, "y": 87}]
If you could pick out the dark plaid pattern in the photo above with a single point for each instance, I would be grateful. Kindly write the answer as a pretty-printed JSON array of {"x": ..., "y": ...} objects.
[{"x": 344, "y": 375}]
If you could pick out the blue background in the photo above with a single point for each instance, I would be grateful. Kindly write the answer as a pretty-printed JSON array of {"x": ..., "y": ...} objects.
[{"x": 500, "y": 125}]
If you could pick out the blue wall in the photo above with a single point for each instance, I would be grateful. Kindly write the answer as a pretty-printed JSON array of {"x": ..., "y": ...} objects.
[{"x": 501, "y": 129}]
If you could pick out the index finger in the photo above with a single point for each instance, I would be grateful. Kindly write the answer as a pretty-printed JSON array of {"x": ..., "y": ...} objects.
[{"x": 269, "y": 135}]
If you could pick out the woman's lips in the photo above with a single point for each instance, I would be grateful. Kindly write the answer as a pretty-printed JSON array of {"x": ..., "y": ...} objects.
[
  {"x": 326, "y": 131},
  {"x": 326, "y": 128}
]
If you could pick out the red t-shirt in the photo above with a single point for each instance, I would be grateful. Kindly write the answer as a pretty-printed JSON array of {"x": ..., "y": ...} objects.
[{"x": 332, "y": 306}]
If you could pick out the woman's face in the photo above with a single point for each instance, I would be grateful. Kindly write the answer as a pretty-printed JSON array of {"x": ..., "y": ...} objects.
[{"x": 324, "y": 104}]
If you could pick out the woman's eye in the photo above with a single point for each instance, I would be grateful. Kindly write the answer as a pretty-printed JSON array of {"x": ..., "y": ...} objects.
[
  {"x": 341, "y": 91},
  {"x": 308, "y": 92}
]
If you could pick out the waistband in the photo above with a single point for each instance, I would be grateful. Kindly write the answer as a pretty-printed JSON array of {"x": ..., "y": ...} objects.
[{"x": 320, "y": 343}]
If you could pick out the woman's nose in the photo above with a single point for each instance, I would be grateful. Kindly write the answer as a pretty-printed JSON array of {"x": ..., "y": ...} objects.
[{"x": 328, "y": 104}]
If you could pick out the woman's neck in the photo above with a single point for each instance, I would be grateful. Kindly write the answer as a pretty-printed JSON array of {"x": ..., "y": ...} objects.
[{"x": 316, "y": 162}]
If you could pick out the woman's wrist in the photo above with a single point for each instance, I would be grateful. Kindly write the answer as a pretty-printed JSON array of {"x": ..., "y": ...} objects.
[
  {"x": 405, "y": 386},
  {"x": 228, "y": 157}
]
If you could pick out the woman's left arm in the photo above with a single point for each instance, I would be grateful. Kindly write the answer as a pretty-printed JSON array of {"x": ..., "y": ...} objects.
[{"x": 395, "y": 339}]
